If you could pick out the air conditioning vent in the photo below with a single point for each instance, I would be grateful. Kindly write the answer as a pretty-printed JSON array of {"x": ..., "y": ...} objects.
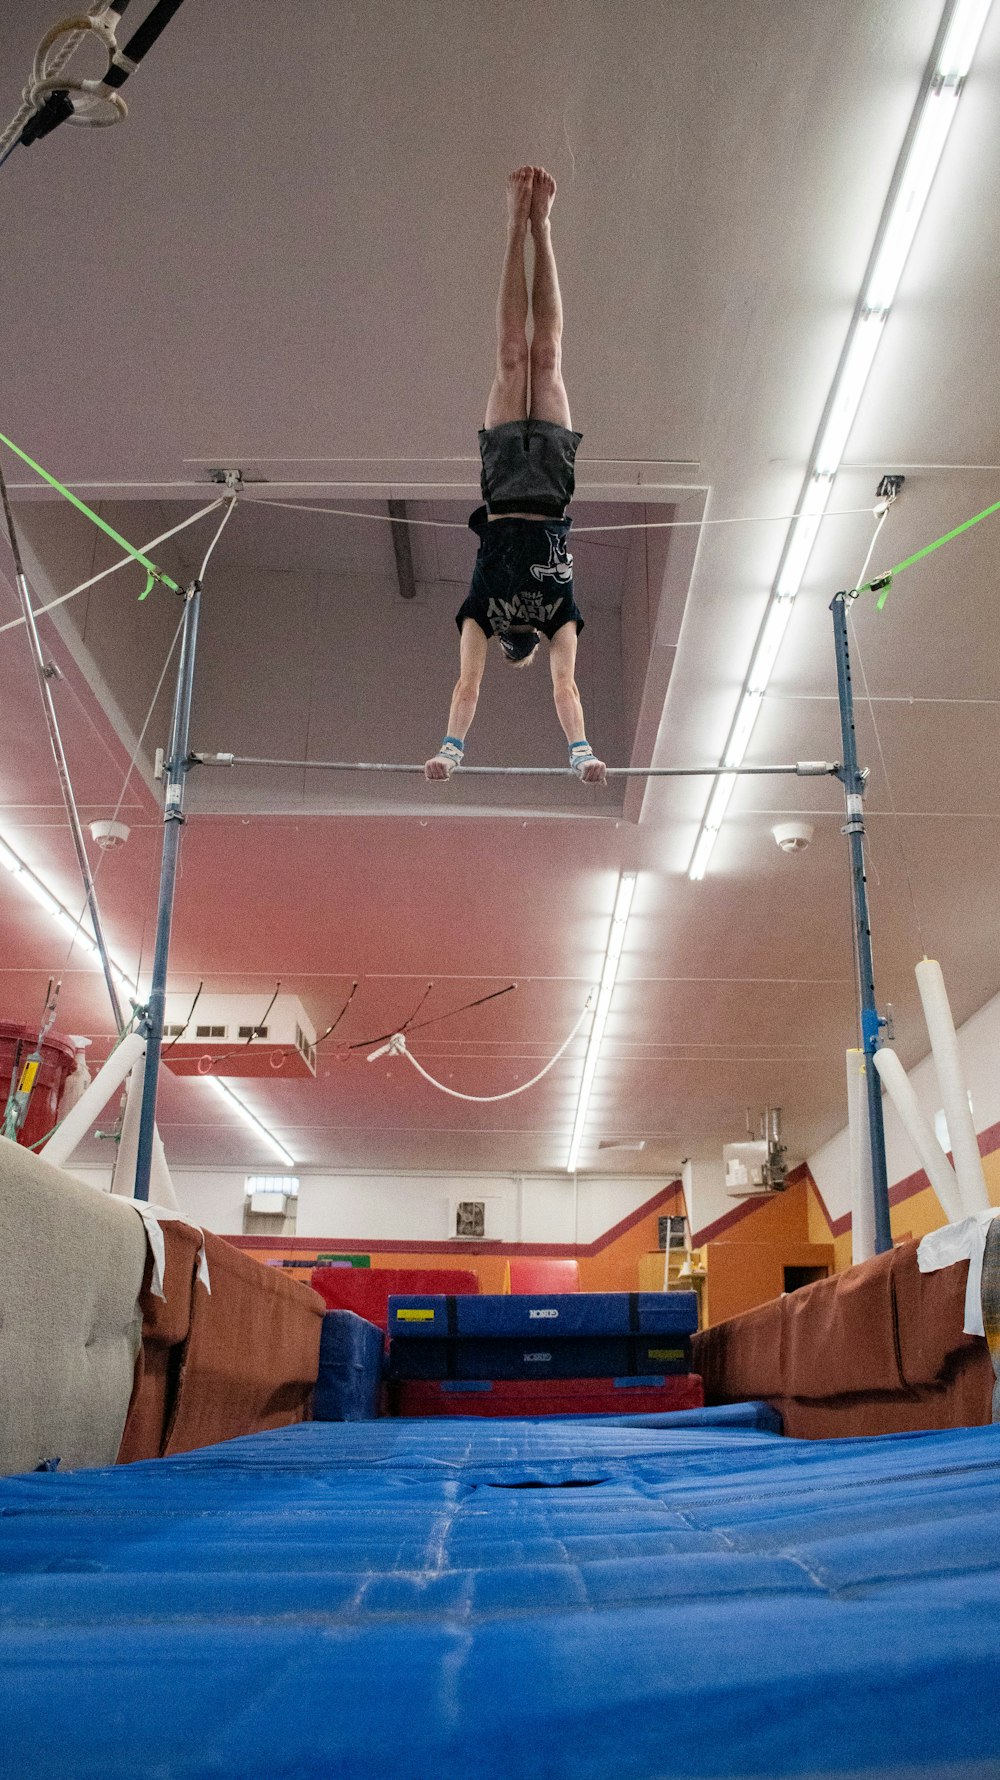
[
  {"x": 622, "y": 1143},
  {"x": 470, "y": 1218},
  {"x": 270, "y": 1205}
]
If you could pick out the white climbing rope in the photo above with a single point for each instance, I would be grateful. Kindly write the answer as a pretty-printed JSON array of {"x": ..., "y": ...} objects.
[{"x": 397, "y": 1047}]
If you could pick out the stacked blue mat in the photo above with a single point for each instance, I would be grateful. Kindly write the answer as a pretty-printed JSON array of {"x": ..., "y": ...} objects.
[
  {"x": 557, "y": 1335},
  {"x": 350, "y": 1369},
  {"x": 681, "y": 1596}
]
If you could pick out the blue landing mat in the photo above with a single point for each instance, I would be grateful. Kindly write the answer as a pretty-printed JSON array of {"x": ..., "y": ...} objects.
[
  {"x": 544, "y": 1316},
  {"x": 684, "y": 1597},
  {"x": 598, "y": 1356}
]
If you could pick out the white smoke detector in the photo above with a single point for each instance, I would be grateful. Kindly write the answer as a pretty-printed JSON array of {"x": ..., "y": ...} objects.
[
  {"x": 109, "y": 834},
  {"x": 793, "y": 837}
]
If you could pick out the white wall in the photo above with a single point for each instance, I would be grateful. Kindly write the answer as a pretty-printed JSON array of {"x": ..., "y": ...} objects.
[
  {"x": 419, "y": 1207},
  {"x": 979, "y": 1044}
]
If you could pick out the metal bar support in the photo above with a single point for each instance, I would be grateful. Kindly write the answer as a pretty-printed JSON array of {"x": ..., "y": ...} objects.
[
  {"x": 802, "y": 769},
  {"x": 178, "y": 765},
  {"x": 853, "y": 781},
  {"x": 46, "y": 672}
]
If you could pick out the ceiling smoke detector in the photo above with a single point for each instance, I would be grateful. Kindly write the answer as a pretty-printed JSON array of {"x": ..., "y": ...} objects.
[
  {"x": 793, "y": 837},
  {"x": 109, "y": 835}
]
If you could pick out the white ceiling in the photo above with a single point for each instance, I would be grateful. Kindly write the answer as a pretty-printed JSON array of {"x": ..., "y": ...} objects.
[{"x": 286, "y": 261}]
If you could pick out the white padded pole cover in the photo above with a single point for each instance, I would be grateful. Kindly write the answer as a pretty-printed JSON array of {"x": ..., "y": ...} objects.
[
  {"x": 93, "y": 1100},
  {"x": 918, "y": 1129},
  {"x": 954, "y": 1093}
]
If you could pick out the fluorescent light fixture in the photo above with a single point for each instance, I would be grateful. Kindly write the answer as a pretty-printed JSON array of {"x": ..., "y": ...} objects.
[
  {"x": 33, "y": 884},
  {"x": 712, "y": 821},
  {"x": 250, "y": 1118},
  {"x": 802, "y": 537},
  {"x": 962, "y": 41},
  {"x": 613, "y": 952},
  {"x": 846, "y": 396},
  {"x": 911, "y": 186}
]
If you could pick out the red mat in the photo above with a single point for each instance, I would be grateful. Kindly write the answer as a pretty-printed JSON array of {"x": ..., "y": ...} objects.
[
  {"x": 539, "y": 1396},
  {"x": 542, "y": 1273},
  {"x": 367, "y": 1290}
]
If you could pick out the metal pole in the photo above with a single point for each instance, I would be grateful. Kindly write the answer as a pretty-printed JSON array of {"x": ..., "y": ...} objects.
[
  {"x": 802, "y": 769},
  {"x": 853, "y": 781},
  {"x": 177, "y": 766},
  {"x": 46, "y": 672}
]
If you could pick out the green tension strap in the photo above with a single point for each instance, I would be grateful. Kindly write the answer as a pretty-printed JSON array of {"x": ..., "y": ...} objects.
[
  {"x": 152, "y": 572},
  {"x": 882, "y": 583}
]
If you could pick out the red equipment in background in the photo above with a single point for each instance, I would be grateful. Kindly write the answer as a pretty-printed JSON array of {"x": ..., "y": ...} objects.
[
  {"x": 367, "y": 1290},
  {"x": 58, "y": 1062},
  {"x": 541, "y": 1273}
]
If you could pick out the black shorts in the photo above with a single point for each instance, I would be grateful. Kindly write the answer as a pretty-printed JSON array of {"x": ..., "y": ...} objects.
[{"x": 528, "y": 464}]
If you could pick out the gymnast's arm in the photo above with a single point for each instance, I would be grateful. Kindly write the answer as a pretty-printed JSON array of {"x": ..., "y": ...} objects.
[{"x": 464, "y": 699}]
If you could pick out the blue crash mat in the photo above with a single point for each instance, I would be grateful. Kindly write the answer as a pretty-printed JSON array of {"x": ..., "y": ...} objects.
[
  {"x": 659, "y": 1597},
  {"x": 547, "y": 1316},
  {"x": 571, "y": 1356}
]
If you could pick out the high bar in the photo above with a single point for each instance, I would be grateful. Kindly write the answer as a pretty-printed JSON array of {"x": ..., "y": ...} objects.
[{"x": 802, "y": 769}]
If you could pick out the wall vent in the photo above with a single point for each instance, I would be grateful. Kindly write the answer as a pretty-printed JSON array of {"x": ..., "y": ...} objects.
[
  {"x": 288, "y": 1184},
  {"x": 470, "y": 1219}
]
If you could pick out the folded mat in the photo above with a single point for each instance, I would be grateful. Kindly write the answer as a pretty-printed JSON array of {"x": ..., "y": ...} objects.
[
  {"x": 549, "y": 1316},
  {"x": 574, "y": 1356},
  {"x": 350, "y": 1369},
  {"x": 535, "y": 1396},
  {"x": 377, "y": 1599},
  {"x": 71, "y": 1262}
]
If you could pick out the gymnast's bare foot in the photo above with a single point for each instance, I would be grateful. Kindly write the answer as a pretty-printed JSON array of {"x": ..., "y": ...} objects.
[
  {"x": 543, "y": 191},
  {"x": 520, "y": 188}
]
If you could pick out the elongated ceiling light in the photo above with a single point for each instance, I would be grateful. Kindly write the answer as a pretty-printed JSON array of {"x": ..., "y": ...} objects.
[
  {"x": 47, "y": 900},
  {"x": 958, "y": 38},
  {"x": 616, "y": 940},
  {"x": 250, "y": 1118}
]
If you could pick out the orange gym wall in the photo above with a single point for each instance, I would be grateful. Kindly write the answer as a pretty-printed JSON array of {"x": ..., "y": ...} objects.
[
  {"x": 748, "y": 1249},
  {"x": 914, "y": 1208},
  {"x": 610, "y": 1264}
]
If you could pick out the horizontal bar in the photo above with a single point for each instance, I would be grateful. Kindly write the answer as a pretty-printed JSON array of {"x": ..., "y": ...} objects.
[{"x": 802, "y": 769}]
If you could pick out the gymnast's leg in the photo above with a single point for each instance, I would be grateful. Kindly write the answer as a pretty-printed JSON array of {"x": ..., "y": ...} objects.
[
  {"x": 569, "y": 709},
  {"x": 549, "y": 400},
  {"x": 508, "y": 397},
  {"x": 464, "y": 699}
]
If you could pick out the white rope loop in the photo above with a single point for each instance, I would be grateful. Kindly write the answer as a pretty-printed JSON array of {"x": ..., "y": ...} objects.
[
  {"x": 54, "y": 52},
  {"x": 397, "y": 1047}
]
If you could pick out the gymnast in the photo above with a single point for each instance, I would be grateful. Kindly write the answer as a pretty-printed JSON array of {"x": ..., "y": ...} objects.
[{"x": 522, "y": 583}]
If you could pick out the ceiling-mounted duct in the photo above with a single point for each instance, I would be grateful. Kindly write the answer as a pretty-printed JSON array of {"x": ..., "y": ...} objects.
[{"x": 228, "y": 1035}]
